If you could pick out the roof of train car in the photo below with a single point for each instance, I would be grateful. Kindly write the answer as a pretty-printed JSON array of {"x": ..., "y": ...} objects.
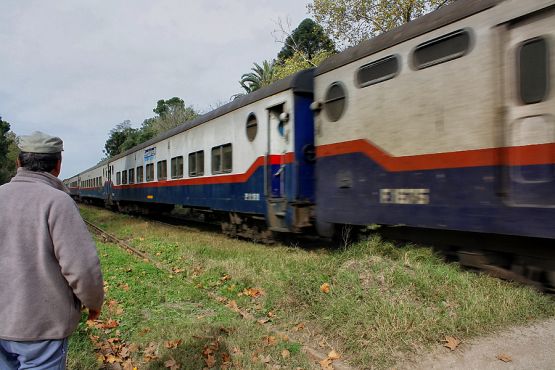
[
  {"x": 458, "y": 10},
  {"x": 300, "y": 82}
]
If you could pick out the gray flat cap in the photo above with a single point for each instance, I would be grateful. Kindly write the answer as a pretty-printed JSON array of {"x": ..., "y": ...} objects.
[{"x": 39, "y": 142}]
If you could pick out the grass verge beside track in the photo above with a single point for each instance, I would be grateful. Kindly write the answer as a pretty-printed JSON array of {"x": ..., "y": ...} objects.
[{"x": 373, "y": 303}]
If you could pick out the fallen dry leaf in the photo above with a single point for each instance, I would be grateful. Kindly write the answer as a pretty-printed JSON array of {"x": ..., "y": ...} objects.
[
  {"x": 253, "y": 292},
  {"x": 334, "y": 355},
  {"x": 150, "y": 353},
  {"x": 299, "y": 327},
  {"x": 210, "y": 360},
  {"x": 285, "y": 354},
  {"x": 270, "y": 340},
  {"x": 451, "y": 343},
  {"x": 326, "y": 364},
  {"x": 170, "y": 344},
  {"x": 237, "y": 351},
  {"x": 504, "y": 357},
  {"x": 325, "y": 288},
  {"x": 172, "y": 364}
]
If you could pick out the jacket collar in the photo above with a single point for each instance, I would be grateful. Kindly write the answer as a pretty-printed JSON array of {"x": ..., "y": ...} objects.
[{"x": 24, "y": 175}]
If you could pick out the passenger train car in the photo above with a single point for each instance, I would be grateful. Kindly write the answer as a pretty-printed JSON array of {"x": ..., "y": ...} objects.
[
  {"x": 248, "y": 164},
  {"x": 447, "y": 122}
]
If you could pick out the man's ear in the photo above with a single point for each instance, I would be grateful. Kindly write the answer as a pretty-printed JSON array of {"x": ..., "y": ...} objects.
[{"x": 56, "y": 171}]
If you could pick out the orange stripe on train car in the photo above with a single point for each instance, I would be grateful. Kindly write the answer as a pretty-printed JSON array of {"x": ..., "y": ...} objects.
[{"x": 512, "y": 156}]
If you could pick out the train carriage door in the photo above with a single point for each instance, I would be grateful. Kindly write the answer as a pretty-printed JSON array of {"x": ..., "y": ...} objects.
[
  {"x": 277, "y": 149},
  {"x": 529, "y": 157},
  {"x": 276, "y": 171}
]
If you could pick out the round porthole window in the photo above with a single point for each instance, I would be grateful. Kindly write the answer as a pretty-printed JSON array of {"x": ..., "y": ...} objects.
[
  {"x": 252, "y": 127},
  {"x": 335, "y": 102}
]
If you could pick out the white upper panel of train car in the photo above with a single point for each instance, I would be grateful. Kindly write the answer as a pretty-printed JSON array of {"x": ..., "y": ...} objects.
[
  {"x": 217, "y": 129},
  {"x": 391, "y": 92}
]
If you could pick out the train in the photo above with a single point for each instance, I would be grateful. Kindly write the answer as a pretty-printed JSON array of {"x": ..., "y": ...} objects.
[{"x": 444, "y": 123}]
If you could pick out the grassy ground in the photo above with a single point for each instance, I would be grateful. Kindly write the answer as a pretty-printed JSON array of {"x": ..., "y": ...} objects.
[{"x": 373, "y": 303}]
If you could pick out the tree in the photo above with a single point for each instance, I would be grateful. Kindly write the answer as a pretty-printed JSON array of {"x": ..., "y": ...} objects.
[
  {"x": 349, "y": 22},
  {"x": 307, "y": 40},
  {"x": 259, "y": 77},
  {"x": 298, "y": 62},
  {"x": 171, "y": 113},
  {"x": 118, "y": 136},
  {"x": 8, "y": 152}
]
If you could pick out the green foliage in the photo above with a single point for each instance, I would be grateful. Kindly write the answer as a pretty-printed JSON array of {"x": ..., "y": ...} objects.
[
  {"x": 306, "y": 47},
  {"x": 261, "y": 75},
  {"x": 349, "y": 22},
  {"x": 119, "y": 135},
  {"x": 308, "y": 39},
  {"x": 170, "y": 113},
  {"x": 297, "y": 62},
  {"x": 8, "y": 152}
]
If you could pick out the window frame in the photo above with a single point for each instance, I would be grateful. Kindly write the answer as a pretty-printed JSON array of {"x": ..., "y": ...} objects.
[
  {"x": 175, "y": 165},
  {"x": 252, "y": 121},
  {"x": 162, "y": 165},
  {"x": 375, "y": 63},
  {"x": 436, "y": 40},
  {"x": 547, "y": 71},
  {"x": 219, "y": 150},
  {"x": 131, "y": 176},
  {"x": 149, "y": 170},
  {"x": 335, "y": 117},
  {"x": 140, "y": 174},
  {"x": 193, "y": 170}
]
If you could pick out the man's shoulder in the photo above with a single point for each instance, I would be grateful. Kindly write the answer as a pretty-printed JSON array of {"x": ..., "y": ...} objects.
[{"x": 33, "y": 189}]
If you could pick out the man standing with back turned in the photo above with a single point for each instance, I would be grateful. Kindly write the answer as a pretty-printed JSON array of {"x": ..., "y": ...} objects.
[{"x": 48, "y": 262}]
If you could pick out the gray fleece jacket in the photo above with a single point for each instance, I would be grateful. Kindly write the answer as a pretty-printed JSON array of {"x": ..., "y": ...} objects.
[{"x": 48, "y": 262}]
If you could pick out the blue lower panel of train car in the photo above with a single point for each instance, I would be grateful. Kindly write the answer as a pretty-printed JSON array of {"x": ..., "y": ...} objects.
[
  {"x": 354, "y": 189},
  {"x": 91, "y": 193},
  {"x": 232, "y": 196}
]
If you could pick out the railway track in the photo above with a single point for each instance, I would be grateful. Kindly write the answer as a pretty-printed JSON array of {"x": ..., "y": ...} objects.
[{"x": 309, "y": 349}]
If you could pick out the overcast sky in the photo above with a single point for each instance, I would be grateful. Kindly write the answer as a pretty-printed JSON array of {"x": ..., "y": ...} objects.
[{"x": 76, "y": 68}]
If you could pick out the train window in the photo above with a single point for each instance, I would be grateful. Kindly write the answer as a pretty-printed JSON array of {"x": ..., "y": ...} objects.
[
  {"x": 252, "y": 127},
  {"x": 140, "y": 174},
  {"x": 150, "y": 172},
  {"x": 222, "y": 159},
  {"x": 177, "y": 167},
  {"x": 162, "y": 169},
  {"x": 378, "y": 71},
  {"x": 441, "y": 49},
  {"x": 118, "y": 178},
  {"x": 124, "y": 177},
  {"x": 131, "y": 175},
  {"x": 196, "y": 164},
  {"x": 533, "y": 70},
  {"x": 334, "y": 104}
]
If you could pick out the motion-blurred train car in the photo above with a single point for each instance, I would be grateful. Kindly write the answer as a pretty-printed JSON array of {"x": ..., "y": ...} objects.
[{"x": 447, "y": 122}]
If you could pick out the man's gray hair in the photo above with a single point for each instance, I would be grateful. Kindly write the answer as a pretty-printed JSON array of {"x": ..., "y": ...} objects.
[{"x": 39, "y": 162}]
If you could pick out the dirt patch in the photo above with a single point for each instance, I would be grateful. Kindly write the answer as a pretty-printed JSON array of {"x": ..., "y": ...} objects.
[{"x": 522, "y": 347}]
